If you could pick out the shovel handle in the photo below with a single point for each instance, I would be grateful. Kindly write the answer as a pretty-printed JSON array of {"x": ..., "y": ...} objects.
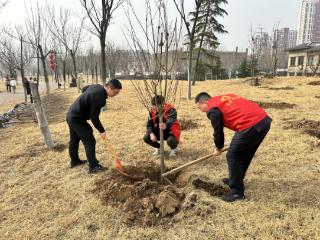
[
  {"x": 190, "y": 163},
  {"x": 111, "y": 149}
]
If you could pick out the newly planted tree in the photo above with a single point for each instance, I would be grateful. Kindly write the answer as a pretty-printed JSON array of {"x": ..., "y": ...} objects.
[{"x": 156, "y": 56}]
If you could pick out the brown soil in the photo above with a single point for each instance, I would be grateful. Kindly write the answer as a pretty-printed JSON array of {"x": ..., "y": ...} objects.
[
  {"x": 211, "y": 188},
  {"x": 280, "y": 88},
  {"x": 314, "y": 83},
  {"x": 280, "y": 105},
  {"x": 317, "y": 96},
  {"x": 141, "y": 200},
  {"x": 310, "y": 127},
  {"x": 187, "y": 124}
]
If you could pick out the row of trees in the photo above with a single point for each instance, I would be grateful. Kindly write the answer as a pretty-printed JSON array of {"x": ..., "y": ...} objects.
[{"x": 48, "y": 28}]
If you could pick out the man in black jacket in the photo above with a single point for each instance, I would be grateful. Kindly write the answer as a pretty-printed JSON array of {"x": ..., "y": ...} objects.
[{"x": 88, "y": 107}]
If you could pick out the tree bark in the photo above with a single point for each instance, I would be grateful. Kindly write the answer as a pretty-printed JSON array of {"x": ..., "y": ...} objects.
[
  {"x": 162, "y": 164},
  {"x": 74, "y": 64},
  {"x": 42, "y": 120},
  {"x": 45, "y": 73},
  {"x": 103, "y": 61}
]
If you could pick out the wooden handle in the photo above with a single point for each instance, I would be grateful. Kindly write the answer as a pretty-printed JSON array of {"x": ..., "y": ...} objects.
[
  {"x": 110, "y": 147},
  {"x": 191, "y": 163}
]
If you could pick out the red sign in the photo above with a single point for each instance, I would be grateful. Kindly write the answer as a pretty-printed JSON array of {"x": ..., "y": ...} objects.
[{"x": 53, "y": 65}]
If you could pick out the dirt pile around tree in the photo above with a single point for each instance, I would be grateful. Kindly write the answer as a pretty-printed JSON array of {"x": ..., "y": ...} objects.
[
  {"x": 276, "y": 105},
  {"x": 310, "y": 127},
  {"x": 142, "y": 200}
]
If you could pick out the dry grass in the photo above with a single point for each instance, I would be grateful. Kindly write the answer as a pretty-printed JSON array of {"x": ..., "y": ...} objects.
[{"x": 41, "y": 198}]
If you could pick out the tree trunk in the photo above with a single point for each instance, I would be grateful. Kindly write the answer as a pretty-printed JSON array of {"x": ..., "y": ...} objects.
[
  {"x": 96, "y": 73},
  {"x": 43, "y": 124},
  {"x": 162, "y": 164},
  {"x": 74, "y": 64},
  {"x": 64, "y": 74},
  {"x": 190, "y": 75},
  {"x": 103, "y": 68},
  {"x": 45, "y": 73}
]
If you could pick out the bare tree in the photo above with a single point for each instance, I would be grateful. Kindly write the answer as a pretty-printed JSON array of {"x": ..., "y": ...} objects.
[
  {"x": 35, "y": 34},
  {"x": 100, "y": 16},
  {"x": 15, "y": 58},
  {"x": 156, "y": 58},
  {"x": 67, "y": 30},
  {"x": 3, "y": 3}
]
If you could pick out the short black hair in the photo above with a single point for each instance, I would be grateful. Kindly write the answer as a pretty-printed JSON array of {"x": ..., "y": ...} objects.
[
  {"x": 114, "y": 84},
  {"x": 201, "y": 97},
  {"x": 157, "y": 100}
]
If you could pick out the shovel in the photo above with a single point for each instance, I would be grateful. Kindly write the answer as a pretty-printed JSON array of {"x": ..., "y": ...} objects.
[
  {"x": 178, "y": 169},
  {"x": 115, "y": 158}
]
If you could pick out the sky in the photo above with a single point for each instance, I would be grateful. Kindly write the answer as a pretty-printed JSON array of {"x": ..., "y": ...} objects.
[{"x": 241, "y": 14}]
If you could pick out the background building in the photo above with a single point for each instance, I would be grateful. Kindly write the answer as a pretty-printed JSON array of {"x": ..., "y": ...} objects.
[{"x": 309, "y": 29}]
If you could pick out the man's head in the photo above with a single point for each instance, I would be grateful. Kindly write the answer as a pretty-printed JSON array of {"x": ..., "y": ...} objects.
[
  {"x": 202, "y": 101},
  {"x": 157, "y": 101},
  {"x": 113, "y": 87}
]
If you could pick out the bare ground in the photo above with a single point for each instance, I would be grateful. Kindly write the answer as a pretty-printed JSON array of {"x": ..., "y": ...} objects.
[{"x": 42, "y": 198}]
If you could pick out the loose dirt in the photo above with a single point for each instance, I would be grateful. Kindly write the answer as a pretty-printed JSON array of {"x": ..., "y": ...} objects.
[
  {"x": 280, "y": 88},
  {"x": 142, "y": 200},
  {"x": 276, "y": 105},
  {"x": 310, "y": 127},
  {"x": 314, "y": 83},
  {"x": 211, "y": 188},
  {"x": 187, "y": 124}
]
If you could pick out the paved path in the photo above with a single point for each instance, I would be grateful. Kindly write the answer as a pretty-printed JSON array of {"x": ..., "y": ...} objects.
[{"x": 18, "y": 97}]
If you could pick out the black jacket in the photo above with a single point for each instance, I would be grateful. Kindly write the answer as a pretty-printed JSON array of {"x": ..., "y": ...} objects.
[
  {"x": 172, "y": 117},
  {"x": 88, "y": 106}
]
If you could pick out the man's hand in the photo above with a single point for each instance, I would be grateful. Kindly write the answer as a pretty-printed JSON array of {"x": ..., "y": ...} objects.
[
  {"x": 103, "y": 135},
  {"x": 162, "y": 126},
  {"x": 217, "y": 152},
  {"x": 153, "y": 137}
]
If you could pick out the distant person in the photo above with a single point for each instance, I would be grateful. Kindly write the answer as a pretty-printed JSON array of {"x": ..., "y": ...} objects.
[
  {"x": 13, "y": 84},
  {"x": 170, "y": 126},
  {"x": 73, "y": 81},
  {"x": 88, "y": 107},
  {"x": 28, "y": 89},
  {"x": 8, "y": 86},
  {"x": 251, "y": 124}
]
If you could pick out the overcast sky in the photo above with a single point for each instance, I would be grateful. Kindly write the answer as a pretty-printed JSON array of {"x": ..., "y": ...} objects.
[{"x": 241, "y": 13}]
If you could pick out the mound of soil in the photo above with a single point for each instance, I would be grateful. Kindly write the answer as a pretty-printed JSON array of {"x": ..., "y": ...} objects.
[
  {"x": 211, "y": 188},
  {"x": 142, "y": 199},
  {"x": 187, "y": 124},
  {"x": 280, "y": 88},
  {"x": 314, "y": 83},
  {"x": 280, "y": 105},
  {"x": 310, "y": 127}
]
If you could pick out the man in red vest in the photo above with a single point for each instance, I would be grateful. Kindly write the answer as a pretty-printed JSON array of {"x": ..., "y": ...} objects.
[
  {"x": 170, "y": 126},
  {"x": 251, "y": 124}
]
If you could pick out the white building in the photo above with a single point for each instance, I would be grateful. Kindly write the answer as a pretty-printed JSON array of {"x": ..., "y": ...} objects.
[{"x": 307, "y": 20}]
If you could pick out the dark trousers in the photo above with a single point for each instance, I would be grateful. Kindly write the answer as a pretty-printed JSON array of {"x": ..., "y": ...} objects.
[
  {"x": 8, "y": 88},
  {"x": 169, "y": 137},
  {"x": 81, "y": 130},
  {"x": 241, "y": 151}
]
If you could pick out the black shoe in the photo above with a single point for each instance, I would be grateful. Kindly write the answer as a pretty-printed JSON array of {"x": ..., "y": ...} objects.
[
  {"x": 225, "y": 181},
  {"x": 77, "y": 163},
  {"x": 232, "y": 196},
  {"x": 97, "y": 168}
]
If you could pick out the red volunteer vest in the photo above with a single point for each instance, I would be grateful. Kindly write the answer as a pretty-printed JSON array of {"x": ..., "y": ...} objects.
[
  {"x": 238, "y": 113},
  {"x": 175, "y": 128}
]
